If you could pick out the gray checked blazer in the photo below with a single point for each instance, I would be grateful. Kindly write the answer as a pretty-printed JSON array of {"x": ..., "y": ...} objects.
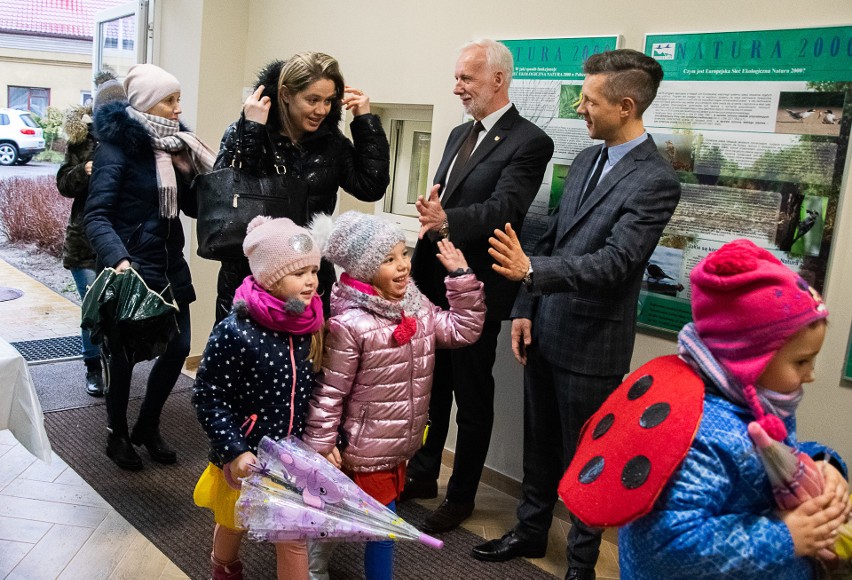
[{"x": 588, "y": 265}]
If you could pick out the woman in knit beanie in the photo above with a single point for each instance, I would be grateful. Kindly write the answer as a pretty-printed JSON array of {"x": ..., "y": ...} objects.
[
  {"x": 141, "y": 176},
  {"x": 757, "y": 329},
  {"x": 274, "y": 331},
  {"x": 377, "y": 369}
]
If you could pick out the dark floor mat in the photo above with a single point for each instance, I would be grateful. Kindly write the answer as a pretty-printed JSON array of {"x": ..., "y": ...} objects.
[
  {"x": 49, "y": 349},
  {"x": 62, "y": 385},
  {"x": 158, "y": 502}
]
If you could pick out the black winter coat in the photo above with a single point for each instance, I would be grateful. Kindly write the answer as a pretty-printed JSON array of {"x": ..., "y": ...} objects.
[
  {"x": 246, "y": 370},
  {"x": 325, "y": 159},
  {"x": 123, "y": 210},
  {"x": 73, "y": 182}
]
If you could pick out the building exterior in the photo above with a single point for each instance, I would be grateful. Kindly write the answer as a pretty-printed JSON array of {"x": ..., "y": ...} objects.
[{"x": 46, "y": 52}]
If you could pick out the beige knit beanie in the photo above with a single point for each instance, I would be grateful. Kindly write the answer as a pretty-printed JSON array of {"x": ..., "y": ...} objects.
[
  {"x": 277, "y": 247},
  {"x": 147, "y": 84}
]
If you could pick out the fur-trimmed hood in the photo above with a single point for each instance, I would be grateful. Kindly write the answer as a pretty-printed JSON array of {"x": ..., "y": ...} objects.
[
  {"x": 268, "y": 77},
  {"x": 113, "y": 125},
  {"x": 76, "y": 123}
]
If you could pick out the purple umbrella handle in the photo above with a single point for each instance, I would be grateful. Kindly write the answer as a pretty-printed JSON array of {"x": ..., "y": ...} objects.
[{"x": 430, "y": 541}]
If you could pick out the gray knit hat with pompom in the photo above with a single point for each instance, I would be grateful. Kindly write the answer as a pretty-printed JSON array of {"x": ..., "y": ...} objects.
[{"x": 360, "y": 242}]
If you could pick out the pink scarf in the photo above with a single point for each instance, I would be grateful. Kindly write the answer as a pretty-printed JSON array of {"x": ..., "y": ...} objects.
[{"x": 269, "y": 311}]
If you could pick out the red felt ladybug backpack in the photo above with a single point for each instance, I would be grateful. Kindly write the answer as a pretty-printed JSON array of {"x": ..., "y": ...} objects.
[{"x": 632, "y": 445}]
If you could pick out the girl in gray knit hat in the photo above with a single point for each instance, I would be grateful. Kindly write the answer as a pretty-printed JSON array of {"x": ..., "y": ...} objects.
[{"x": 378, "y": 361}]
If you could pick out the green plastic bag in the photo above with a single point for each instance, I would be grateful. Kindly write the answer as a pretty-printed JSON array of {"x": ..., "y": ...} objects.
[{"x": 126, "y": 317}]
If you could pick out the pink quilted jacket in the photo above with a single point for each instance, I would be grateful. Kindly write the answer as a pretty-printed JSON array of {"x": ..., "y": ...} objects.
[{"x": 377, "y": 389}]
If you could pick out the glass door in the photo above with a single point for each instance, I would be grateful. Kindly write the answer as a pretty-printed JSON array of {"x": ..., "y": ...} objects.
[{"x": 121, "y": 37}]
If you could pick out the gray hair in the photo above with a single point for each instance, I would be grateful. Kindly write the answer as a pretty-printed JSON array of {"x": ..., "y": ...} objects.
[{"x": 498, "y": 57}]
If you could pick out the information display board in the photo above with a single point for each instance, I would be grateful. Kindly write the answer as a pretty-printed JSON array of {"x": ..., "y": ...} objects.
[{"x": 756, "y": 124}]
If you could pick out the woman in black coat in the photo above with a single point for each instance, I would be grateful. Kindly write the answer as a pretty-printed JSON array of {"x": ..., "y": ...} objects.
[
  {"x": 297, "y": 105},
  {"x": 141, "y": 177}
]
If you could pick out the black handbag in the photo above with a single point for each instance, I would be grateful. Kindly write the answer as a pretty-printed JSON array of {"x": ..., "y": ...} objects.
[{"x": 229, "y": 198}]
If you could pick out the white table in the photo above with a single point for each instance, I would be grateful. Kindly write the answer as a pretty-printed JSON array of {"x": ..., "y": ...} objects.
[{"x": 20, "y": 410}]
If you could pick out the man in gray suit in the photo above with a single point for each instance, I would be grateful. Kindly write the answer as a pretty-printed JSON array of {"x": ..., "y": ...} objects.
[
  {"x": 574, "y": 323},
  {"x": 490, "y": 172}
]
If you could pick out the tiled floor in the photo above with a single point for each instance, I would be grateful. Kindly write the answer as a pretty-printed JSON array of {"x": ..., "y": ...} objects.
[{"x": 53, "y": 525}]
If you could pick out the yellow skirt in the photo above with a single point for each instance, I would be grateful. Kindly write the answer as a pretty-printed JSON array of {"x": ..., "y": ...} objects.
[{"x": 213, "y": 492}]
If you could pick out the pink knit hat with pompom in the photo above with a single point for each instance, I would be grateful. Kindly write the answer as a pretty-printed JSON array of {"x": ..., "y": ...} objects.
[
  {"x": 746, "y": 304},
  {"x": 277, "y": 247}
]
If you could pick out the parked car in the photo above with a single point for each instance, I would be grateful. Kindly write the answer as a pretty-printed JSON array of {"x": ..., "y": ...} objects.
[{"x": 20, "y": 137}]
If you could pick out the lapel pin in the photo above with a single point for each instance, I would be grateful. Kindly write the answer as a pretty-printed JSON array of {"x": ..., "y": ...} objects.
[{"x": 496, "y": 137}]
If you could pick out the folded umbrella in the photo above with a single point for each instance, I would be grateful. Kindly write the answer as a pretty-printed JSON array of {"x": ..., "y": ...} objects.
[
  {"x": 795, "y": 478},
  {"x": 296, "y": 493}
]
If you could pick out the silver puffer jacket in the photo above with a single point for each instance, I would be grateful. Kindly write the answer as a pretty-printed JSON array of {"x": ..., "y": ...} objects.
[{"x": 377, "y": 389}]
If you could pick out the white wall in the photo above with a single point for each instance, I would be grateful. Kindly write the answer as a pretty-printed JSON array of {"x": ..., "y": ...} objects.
[{"x": 404, "y": 52}]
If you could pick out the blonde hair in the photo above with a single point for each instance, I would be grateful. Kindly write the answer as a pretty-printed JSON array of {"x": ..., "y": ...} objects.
[
  {"x": 301, "y": 70},
  {"x": 315, "y": 354}
]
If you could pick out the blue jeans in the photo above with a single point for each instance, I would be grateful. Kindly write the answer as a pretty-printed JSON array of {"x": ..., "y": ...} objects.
[{"x": 83, "y": 278}]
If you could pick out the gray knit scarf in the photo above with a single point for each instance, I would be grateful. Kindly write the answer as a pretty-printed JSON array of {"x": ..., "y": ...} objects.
[
  {"x": 167, "y": 139},
  {"x": 410, "y": 303},
  {"x": 693, "y": 350}
]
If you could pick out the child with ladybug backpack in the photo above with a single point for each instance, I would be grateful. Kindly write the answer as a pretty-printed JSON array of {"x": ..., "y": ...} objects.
[
  {"x": 379, "y": 358},
  {"x": 757, "y": 329},
  {"x": 256, "y": 377}
]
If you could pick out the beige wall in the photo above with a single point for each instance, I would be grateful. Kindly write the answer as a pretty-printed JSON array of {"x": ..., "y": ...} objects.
[
  {"x": 65, "y": 74},
  {"x": 403, "y": 52}
]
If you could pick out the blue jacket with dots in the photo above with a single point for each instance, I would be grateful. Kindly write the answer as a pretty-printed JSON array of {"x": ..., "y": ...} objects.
[
  {"x": 248, "y": 369},
  {"x": 716, "y": 517}
]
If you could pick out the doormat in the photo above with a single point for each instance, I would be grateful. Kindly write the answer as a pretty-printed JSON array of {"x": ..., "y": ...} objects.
[{"x": 50, "y": 349}]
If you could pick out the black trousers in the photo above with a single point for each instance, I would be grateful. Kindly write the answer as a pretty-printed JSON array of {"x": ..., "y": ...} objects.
[
  {"x": 164, "y": 374},
  {"x": 557, "y": 403},
  {"x": 466, "y": 374}
]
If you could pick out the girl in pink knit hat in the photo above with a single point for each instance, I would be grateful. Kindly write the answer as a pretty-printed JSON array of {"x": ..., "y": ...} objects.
[
  {"x": 256, "y": 377},
  {"x": 757, "y": 329}
]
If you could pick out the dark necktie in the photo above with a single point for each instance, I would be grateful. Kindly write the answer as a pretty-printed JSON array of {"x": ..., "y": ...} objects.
[
  {"x": 464, "y": 152},
  {"x": 596, "y": 176}
]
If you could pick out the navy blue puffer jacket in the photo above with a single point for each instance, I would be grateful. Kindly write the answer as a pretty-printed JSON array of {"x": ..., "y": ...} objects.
[{"x": 122, "y": 215}]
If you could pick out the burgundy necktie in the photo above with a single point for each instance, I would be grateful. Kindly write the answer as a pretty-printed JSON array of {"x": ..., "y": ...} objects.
[{"x": 464, "y": 152}]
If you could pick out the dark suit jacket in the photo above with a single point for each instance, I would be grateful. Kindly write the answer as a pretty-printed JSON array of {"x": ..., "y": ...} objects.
[
  {"x": 588, "y": 266},
  {"x": 497, "y": 186}
]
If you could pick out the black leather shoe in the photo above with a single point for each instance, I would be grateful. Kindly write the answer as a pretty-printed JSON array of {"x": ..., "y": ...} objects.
[
  {"x": 121, "y": 451},
  {"x": 95, "y": 383},
  {"x": 580, "y": 574},
  {"x": 508, "y": 547},
  {"x": 447, "y": 517},
  {"x": 416, "y": 489},
  {"x": 157, "y": 448}
]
